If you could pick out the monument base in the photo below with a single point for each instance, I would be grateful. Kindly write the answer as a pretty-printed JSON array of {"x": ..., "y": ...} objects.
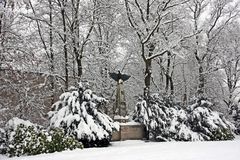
[
  {"x": 130, "y": 131},
  {"x": 121, "y": 119}
]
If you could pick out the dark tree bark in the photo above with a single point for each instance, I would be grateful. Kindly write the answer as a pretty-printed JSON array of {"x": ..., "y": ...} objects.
[
  {"x": 51, "y": 50},
  {"x": 168, "y": 77},
  {"x": 75, "y": 36},
  {"x": 63, "y": 13},
  {"x": 148, "y": 70}
]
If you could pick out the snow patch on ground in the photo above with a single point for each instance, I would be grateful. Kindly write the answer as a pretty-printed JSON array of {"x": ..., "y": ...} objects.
[
  {"x": 237, "y": 138},
  {"x": 140, "y": 150}
]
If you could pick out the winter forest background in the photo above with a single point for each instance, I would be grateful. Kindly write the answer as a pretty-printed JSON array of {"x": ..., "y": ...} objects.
[{"x": 183, "y": 50}]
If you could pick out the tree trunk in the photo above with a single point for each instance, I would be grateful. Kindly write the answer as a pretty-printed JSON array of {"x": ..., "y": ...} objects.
[
  {"x": 184, "y": 97},
  {"x": 75, "y": 37},
  {"x": 79, "y": 66},
  {"x": 171, "y": 86},
  {"x": 147, "y": 79},
  {"x": 201, "y": 80},
  {"x": 167, "y": 74},
  {"x": 65, "y": 44},
  {"x": 51, "y": 51},
  {"x": 148, "y": 71}
]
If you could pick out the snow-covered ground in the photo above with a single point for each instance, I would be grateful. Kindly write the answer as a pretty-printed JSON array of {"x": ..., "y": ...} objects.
[{"x": 139, "y": 150}]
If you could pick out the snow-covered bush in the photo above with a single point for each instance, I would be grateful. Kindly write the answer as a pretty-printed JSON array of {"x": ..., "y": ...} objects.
[
  {"x": 235, "y": 112},
  {"x": 26, "y": 138},
  {"x": 77, "y": 113},
  {"x": 154, "y": 116},
  {"x": 165, "y": 120},
  {"x": 3, "y": 141},
  {"x": 211, "y": 125},
  {"x": 180, "y": 129}
]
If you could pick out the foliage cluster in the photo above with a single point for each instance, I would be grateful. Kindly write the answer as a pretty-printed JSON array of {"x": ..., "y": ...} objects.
[
  {"x": 30, "y": 140},
  {"x": 78, "y": 115},
  {"x": 166, "y": 120}
]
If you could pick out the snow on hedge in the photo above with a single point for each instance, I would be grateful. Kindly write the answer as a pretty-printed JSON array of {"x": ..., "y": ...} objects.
[
  {"x": 77, "y": 113},
  {"x": 211, "y": 125},
  {"x": 26, "y": 138},
  {"x": 235, "y": 112},
  {"x": 3, "y": 140},
  {"x": 167, "y": 121},
  {"x": 15, "y": 122}
]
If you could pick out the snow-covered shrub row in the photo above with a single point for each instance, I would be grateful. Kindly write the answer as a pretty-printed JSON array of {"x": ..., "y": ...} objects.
[
  {"x": 77, "y": 113},
  {"x": 235, "y": 112},
  {"x": 3, "y": 140},
  {"x": 26, "y": 138},
  {"x": 167, "y": 121},
  {"x": 211, "y": 125}
]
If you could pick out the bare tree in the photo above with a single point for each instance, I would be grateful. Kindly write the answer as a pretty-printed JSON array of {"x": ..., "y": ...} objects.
[
  {"x": 229, "y": 60},
  {"x": 146, "y": 18},
  {"x": 220, "y": 15}
]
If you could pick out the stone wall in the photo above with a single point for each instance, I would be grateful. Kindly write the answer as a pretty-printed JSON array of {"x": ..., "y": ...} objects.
[{"x": 130, "y": 131}]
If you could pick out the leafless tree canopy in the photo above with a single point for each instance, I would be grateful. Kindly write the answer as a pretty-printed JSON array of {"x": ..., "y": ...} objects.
[{"x": 179, "y": 48}]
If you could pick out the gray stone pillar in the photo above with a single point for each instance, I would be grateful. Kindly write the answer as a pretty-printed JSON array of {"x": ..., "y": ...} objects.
[{"x": 120, "y": 106}]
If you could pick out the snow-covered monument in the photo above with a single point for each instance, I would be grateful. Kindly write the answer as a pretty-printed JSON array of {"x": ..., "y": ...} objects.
[{"x": 128, "y": 129}]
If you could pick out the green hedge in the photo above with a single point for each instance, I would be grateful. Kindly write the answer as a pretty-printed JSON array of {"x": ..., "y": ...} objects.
[{"x": 29, "y": 141}]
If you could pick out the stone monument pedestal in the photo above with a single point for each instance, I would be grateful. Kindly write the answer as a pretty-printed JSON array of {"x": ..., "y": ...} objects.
[{"x": 121, "y": 119}]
